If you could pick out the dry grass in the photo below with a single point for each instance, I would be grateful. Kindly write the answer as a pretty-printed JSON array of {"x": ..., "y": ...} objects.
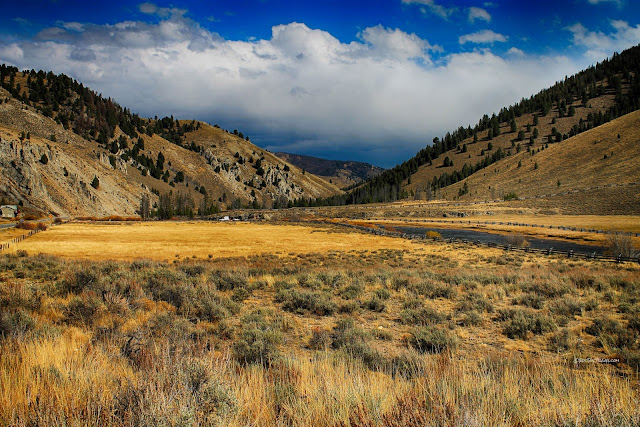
[
  {"x": 314, "y": 338},
  {"x": 166, "y": 240},
  {"x": 8, "y": 234}
]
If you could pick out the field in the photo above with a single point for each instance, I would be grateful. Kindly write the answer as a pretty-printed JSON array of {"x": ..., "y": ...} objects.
[
  {"x": 174, "y": 240},
  {"x": 291, "y": 324}
]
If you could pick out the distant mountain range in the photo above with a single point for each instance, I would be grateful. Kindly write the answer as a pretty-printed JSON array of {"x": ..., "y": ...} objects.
[{"x": 343, "y": 173}]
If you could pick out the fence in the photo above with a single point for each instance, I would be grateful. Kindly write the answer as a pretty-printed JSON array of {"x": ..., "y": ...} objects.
[
  {"x": 550, "y": 251},
  {"x": 16, "y": 240},
  {"x": 515, "y": 224}
]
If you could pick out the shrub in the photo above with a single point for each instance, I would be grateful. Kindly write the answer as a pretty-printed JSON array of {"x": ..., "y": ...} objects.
[
  {"x": 240, "y": 294},
  {"x": 193, "y": 270},
  {"x": 412, "y": 302},
  {"x": 21, "y": 253},
  {"x": 360, "y": 350},
  {"x": 308, "y": 281},
  {"x": 257, "y": 343},
  {"x": 567, "y": 306},
  {"x": 80, "y": 310},
  {"x": 16, "y": 323},
  {"x": 621, "y": 244},
  {"x": 209, "y": 307},
  {"x": 559, "y": 341},
  {"x": 434, "y": 290},
  {"x": 303, "y": 301},
  {"x": 84, "y": 278},
  {"x": 383, "y": 294},
  {"x": 521, "y": 324},
  {"x": 351, "y": 291},
  {"x": 471, "y": 318},
  {"x": 169, "y": 286},
  {"x": 517, "y": 240},
  {"x": 216, "y": 399},
  {"x": 529, "y": 300},
  {"x": 353, "y": 342},
  {"x": 345, "y": 331},
  {"x": 226, "y": 281},
  {"x": 407, "y": 365},
  {"x": 611, "y": 333},
  {"x": 349, "y": 307},
  {"x": 432, "y": 339},
  {"x": 424, "y": 316},
  {"x": 375, "y": 304},
  {"x": 475, "y": 301},
  {"x": 320, "y": 339},
  {"x": 546, "y": 289}
]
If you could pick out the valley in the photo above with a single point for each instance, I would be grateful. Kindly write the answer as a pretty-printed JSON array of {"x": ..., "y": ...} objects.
[{"x": 168, "y": 271}]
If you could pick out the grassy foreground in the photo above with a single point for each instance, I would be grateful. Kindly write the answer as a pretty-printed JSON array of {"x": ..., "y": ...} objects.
[{"x": 349, "y": 337}]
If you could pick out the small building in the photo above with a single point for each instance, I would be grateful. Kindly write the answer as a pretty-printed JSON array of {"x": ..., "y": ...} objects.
[{"x": 8, "y": 211}]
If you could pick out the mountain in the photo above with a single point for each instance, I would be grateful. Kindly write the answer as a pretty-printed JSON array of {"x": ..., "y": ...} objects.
[
  {"x": 56, "y": 136},
  {"x": 595, "y": 172},
  {"x": 584, "y": 101},
  {"x": 343, "y": 173}
]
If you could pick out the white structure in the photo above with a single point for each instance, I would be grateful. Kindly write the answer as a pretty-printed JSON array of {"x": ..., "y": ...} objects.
[{"x": 8, "y": 211}]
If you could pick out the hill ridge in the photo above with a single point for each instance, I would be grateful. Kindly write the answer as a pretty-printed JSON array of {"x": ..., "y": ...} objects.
[
  {"x": 204, "y": 167},
  {"x": 344, "y": 173}
]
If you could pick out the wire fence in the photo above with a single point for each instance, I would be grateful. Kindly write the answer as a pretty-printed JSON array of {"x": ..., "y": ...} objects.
[{"x": 6, "y": 245}]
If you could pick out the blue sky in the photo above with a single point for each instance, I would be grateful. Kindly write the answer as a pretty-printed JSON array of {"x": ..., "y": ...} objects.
[{"x": 372, "y": 81}]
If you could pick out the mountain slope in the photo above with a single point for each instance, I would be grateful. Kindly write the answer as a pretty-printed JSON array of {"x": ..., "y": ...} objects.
[
  {"x": 85, "y": 136},
  {"x": 598, "y": 169},
  {"x": 343, "y": 173},
  {"x": 603, "y": 92},
  {"x": 432, "y": 176}
]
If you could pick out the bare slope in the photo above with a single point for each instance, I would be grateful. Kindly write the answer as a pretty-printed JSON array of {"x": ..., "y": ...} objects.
[
  {"x": 56, "y": 177},
  {"x": 597, "y": 169}
]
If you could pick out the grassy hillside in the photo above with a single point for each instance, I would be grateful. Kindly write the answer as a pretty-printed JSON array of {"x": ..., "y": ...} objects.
[
  {"x": 427, "y": 176},
  {"x": 597, "y": 167},
  {"x": 343, "y": 173}
]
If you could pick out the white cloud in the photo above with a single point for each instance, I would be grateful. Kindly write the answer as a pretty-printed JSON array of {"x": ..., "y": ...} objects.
[
  {"x": 478, "y": 13},
  {"x": 430, "y": 6},
  {"x": 152, "y": 9},
  {"x": 600, "y": 45},
  {"x": 380, "y": 97},
  {"x": 484, "y": 36},
  {"x": 515, "y": 52}
]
